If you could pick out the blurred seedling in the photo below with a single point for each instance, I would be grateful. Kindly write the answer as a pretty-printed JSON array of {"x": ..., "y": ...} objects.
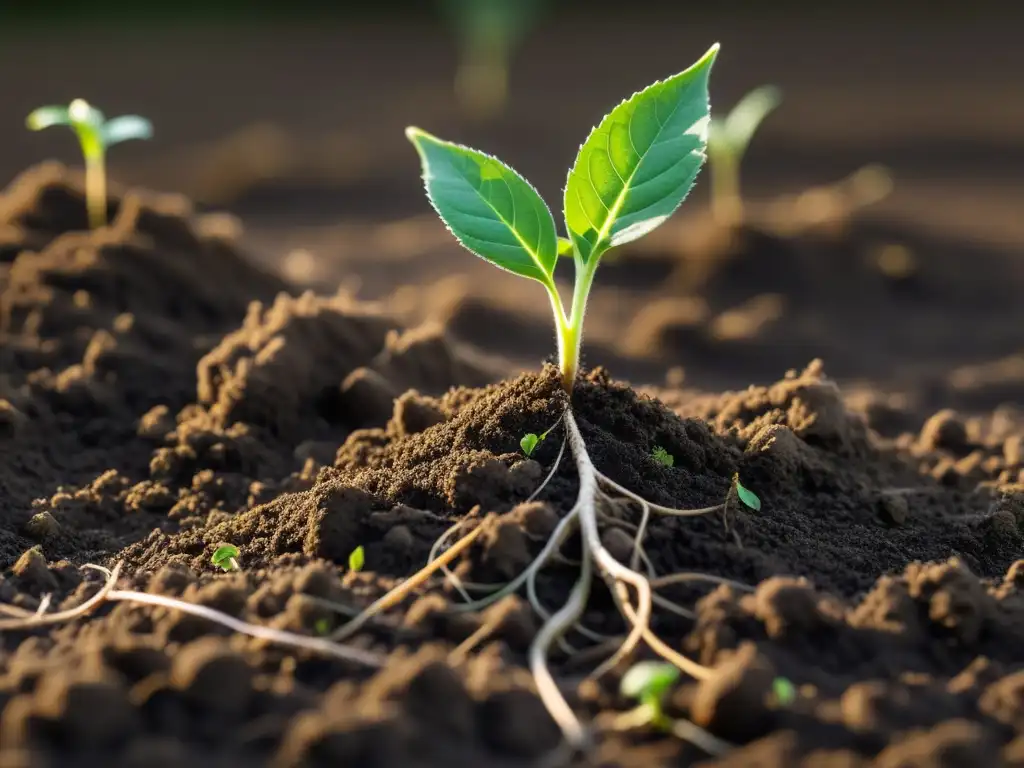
[
  {"x": 728, "y": 140},
  {"x": 488, "y": 32},
  {"x": 649, "y": 682},
  {"x": 662, "y": 456},
  {"x": 357, "y": 559},
  {"x": 95, "y": 135},
  {"x": 226, "y": 558},
  {"x": 784, "y": 691}
]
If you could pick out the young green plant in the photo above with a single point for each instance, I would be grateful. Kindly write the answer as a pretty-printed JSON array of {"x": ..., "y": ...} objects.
[
  {"x": 226, "y": 557},
  {"x": 632, "y": 172},
  {"x": 728, "y": 140},
  {"x": 630, "y": 175},
  {"x": 95, "y": 135}
]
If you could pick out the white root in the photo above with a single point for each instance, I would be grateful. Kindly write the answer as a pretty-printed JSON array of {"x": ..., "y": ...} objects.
[{"x": 107, "y": 594}]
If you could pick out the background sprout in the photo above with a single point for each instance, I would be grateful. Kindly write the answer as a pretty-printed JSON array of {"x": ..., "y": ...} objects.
[
  {"x": 648, "y": 682},
  {"x": 662, "y": 456},
  {"x": 488, "y": 33},
  {"x": 226, "y": 558},
  {"x": 357, "y": 559},
  {"x": 727, "y": 143},
  {"x": 95, "y": 134}
]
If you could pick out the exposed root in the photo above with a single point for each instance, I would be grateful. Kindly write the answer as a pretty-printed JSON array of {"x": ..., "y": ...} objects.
[
  {"x": 107, "y": 594},
  {"x": 400, "y": 592}
]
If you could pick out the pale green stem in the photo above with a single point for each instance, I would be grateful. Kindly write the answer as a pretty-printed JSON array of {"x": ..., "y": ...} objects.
[
  {"x": 726, "y": 203},
  {"x": 571, "y": 330},
  {"x": 96, "y": 190}
]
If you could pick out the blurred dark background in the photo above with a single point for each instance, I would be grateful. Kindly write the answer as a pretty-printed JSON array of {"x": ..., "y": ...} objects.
[{"x": 291, "y": 114}]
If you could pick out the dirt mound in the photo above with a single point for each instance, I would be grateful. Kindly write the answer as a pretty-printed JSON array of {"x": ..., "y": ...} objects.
[{"x": 161, "y": 397}]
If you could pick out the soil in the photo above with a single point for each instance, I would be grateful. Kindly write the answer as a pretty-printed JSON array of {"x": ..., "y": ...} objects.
[{"x": 162, "y": 396}]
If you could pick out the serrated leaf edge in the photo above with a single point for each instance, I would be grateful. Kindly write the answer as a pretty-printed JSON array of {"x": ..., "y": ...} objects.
[
  {"x": 711, "y": 54},
  {"x": 412, "y": 132}
]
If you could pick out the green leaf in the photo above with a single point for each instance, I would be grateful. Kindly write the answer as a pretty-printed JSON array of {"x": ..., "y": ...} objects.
[
  {"x": 564, "y": 246},
  {"x": 648, "y": 680},
  {"x": 124, "y": 128},
  {"x": 662, "y": 456},
  {"x": 640, "y": 162},
  {"x": 44, "y": 117},
  {"x": 357, "y": 559},
  {"x": 784, "y": 690},
  {"x": 491, "y": 209},
  {"x": 529, "y": 443},
  {"x": 225, "y": 557},
  {"x": 748, "y": 497}
]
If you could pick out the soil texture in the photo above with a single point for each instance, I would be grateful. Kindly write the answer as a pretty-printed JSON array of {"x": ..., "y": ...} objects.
[{"x": 161, "y": 396}]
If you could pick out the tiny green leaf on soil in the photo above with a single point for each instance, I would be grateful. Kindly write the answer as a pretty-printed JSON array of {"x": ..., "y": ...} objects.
[
  {"x": 491, "y": 209},
  {"x": 663, "y": 457},
  {"x": 639, "y": 163},
  {"x": 357, "y": 559},
  {"x": 529, "y": 443},
  {"x": 648, "y": 681},
  {"x": 226, "y": 557},
  {"x": 784, "y": 690},
  {"x": 748, "y": 497}
]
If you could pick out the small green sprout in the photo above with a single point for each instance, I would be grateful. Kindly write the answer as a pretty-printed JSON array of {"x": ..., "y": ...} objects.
[
  {"x": 95, "y": 134},
  {"x": 727, "y": 143},
  {"x": 530, "y": 441},
  {"x": 662, "y": 456},
  {"x": 357, "y": 559},
  {"x": 648, "y": 682},
  {"x": 748, "y": 497},
  {"x": 226, "y": 558},
  {"x": 632, "y": 172},
  {"x": 784, "y": 690},
  {"x": 322, "y": 626}
]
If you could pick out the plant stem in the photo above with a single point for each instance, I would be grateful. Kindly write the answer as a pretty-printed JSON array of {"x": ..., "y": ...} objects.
[
  {"x": 95, "y": 190},
  {"x": 726, "y": 203},
  {"x": 570, "y": 335}
]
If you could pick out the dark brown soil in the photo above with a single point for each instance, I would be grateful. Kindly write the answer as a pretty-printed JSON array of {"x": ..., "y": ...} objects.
[{"x": 160, "y": 396}]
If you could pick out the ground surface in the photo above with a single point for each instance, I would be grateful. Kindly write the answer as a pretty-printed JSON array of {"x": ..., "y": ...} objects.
[{"x": 165, "y": 387}]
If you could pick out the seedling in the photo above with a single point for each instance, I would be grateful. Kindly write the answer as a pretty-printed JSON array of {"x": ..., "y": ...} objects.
[
  {"x": 648, "y": 682},
  {"x": 530, "y": 441},
  {"x": 727, "y": 144},
  {"x": 488, "y": 33},
  {"x": 632, "y": 172},
  {"x": 784, "y": 690},
  {"x": 630, "y": 175},
  {"x": 226, "y": 558},
  {"x": 662, "y": 456},
  {"x": 95, "y": 135},
  {"x": 357, "y": 559}
]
